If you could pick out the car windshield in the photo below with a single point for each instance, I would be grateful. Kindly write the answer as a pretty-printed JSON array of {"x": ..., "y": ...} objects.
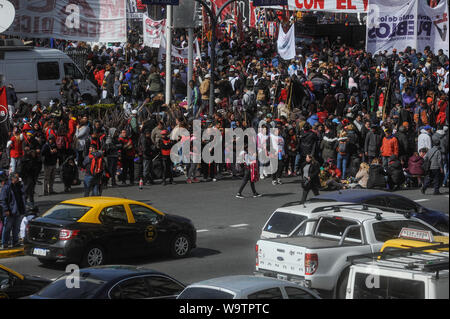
[
  {"x": 88, "y": 288},
  {"x": 67, "y": 212},
  {"x": 283, "y": 223},
  {"x": 204, "y": 293}
]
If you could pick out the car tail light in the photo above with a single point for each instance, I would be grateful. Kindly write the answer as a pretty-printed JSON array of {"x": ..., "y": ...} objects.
[
  {"x": 257, "y": 258},
  {"x": 66, "y": 234},
  {"x": 311, "y": 263}
]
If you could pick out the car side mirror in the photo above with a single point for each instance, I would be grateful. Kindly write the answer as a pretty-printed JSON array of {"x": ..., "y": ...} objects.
[
  {"x": 421, "y": 210},
  {"x": 5, "y": 284}
]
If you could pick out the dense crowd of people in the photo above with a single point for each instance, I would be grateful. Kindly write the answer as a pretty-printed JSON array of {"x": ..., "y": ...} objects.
[{"x": 342, "y": 117}]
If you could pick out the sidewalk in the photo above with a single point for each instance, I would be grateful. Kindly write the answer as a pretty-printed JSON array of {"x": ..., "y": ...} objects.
[{"x": 13, "y": 252}]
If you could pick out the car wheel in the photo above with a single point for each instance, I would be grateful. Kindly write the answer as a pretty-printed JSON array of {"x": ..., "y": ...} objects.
[
  {"x": 47, "y": 262},
  {"x": 341, "y": 291},
  {"x": 94, "y": 256},
  {"x": 88, "y": 99},
  {"x": 180, "y": 246}
]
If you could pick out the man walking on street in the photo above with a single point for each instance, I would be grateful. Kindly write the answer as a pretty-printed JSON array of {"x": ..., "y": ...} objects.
[{"x": 12, "y": 198}]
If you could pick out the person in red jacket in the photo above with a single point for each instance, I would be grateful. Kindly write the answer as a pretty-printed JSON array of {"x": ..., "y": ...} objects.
[
  {"x": 389, "y": 147},
  {"x": 415, "y": 163},
  {"x": 16, "y": 149},
  {"x": 72, "y": 127}
]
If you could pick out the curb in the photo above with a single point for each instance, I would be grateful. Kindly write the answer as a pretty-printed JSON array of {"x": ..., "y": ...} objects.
[{"x": 11, "y": 253}]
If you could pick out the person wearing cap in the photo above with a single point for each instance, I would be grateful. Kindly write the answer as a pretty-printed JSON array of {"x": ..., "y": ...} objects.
[
  {"x": 12, "y": 199},
  {"x": 165, "y": 145}
]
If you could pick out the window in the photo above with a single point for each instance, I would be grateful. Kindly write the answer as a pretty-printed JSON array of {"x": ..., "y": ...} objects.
[
  {"x": 48, "y": 71},
  {"x": 272, "y": 293},
  {"x": 134, "y": 288},
  {"x": 89, "y": 286},
  {"x": 389, "y": 288},
  {"x": 72, "y": 71},
  {"x": 143, "y": 214},
  {"x": 204, "y": 293},
  {"x": 283, "y": 223},
  {"x": 391, "y": 229},
  {"x": 297, "y": 293},
  {"x": 114, "y": 215},
  {"x": 336, "y": 227},
  {"x": 163, "y": 287},
  {"x": 3, "y": 275},
  {"x": 402, "y": 203},
  {"x": 67, "y": 212}
]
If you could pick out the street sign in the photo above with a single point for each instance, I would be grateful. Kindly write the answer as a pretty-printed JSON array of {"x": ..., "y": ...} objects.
[
  {"x": 162, "y": 2},
  {"x": 262, "y": 3}
]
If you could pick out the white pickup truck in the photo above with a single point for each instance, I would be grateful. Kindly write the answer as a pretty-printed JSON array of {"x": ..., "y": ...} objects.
[{"x": 319, "y": 260}]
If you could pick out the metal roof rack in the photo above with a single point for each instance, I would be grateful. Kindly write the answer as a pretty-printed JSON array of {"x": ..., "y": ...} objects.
[{"x": 417, "y": 258}]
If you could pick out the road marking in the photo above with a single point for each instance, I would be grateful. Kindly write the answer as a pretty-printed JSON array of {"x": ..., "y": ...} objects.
[
  {"x": 238, "y": 225},
  {"x": 202, "y": 230},
  {"x": 421, "y": 200}
]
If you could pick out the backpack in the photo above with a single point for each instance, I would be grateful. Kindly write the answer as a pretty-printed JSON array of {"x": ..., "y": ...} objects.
[
  {"x": 60, "y": 142},
  {"x": 342, "y": 148}
]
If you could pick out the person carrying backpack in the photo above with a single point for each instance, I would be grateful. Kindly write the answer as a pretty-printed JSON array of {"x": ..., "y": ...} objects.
[
  {"x": 249, "y": 101},
  {"x": 94, "y": 165},
  {"x": 62, "y": 145},
  {"x": 342, "y": 153}
]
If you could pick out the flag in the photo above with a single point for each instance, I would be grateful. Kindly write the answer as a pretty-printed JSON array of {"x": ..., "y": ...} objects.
[{"x": 286, "y": 43}]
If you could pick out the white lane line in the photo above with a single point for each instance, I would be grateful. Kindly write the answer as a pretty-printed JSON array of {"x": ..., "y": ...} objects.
[
  {"x": 202, "y": 230},
  {"x": 421, "y": 200},
  {"x": 238, "y": 225}
]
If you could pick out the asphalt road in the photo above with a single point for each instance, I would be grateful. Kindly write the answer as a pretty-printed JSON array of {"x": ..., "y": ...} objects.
[{"x": 228, "y": 227}]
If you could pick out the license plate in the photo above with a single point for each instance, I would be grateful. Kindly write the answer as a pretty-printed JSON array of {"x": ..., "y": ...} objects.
[
  {"x": 282, "y": 277},
  {"x": 40, "y": 252}
]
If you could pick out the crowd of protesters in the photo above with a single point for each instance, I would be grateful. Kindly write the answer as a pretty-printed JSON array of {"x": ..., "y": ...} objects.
[{"x": 342, "y": 117}]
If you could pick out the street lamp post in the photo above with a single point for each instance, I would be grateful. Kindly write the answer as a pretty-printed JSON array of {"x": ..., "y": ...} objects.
[{"x": 214, "y": 19}]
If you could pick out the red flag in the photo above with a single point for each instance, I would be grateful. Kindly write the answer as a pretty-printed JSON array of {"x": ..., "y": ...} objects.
[{"x": 3, "y": 104}]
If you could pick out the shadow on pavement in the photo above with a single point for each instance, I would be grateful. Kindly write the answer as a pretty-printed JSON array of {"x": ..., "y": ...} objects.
[{"x": 278, "y": 194}]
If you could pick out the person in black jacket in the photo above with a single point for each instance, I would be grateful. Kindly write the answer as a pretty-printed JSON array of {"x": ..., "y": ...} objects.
[
  {"x": 27, "y": 170},
  {"x": 376, "y": 175},
  {"x": 396, "y": 177},
  {"x": 69, "y": 174},
  {"x": 308, "y": 141},
  {"x": 309, "y": 171},
  {"x": 50, "y": 157},
  {"x": 146, "y": 150}
]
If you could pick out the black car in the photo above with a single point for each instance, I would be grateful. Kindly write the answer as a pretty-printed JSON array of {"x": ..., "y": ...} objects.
[
  {"x": 91, "y": 231},
  {"x": 113, "y": 282},
  {"x": 14, "y": 285},
  {"x": 390, "y": 202}
]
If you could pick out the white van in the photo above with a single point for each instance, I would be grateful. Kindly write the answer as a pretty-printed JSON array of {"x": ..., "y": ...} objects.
[
  {"x": 409, "y": 275},
  {"x": 36, "y": 73}
]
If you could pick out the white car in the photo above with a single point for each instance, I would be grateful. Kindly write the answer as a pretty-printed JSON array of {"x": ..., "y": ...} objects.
[{"x": 246, "y": 287}]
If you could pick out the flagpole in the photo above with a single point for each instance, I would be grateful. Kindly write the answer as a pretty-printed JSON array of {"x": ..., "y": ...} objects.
[
  {"x": 190, "y": 64},
  {"x": 168, "y": 96}
]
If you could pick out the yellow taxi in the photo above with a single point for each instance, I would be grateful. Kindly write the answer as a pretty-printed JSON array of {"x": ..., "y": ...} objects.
[
  {"x": 91, "y": 230},
  {"x": 15, "y": 285},
  {"x": 413, "y": 238}
]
